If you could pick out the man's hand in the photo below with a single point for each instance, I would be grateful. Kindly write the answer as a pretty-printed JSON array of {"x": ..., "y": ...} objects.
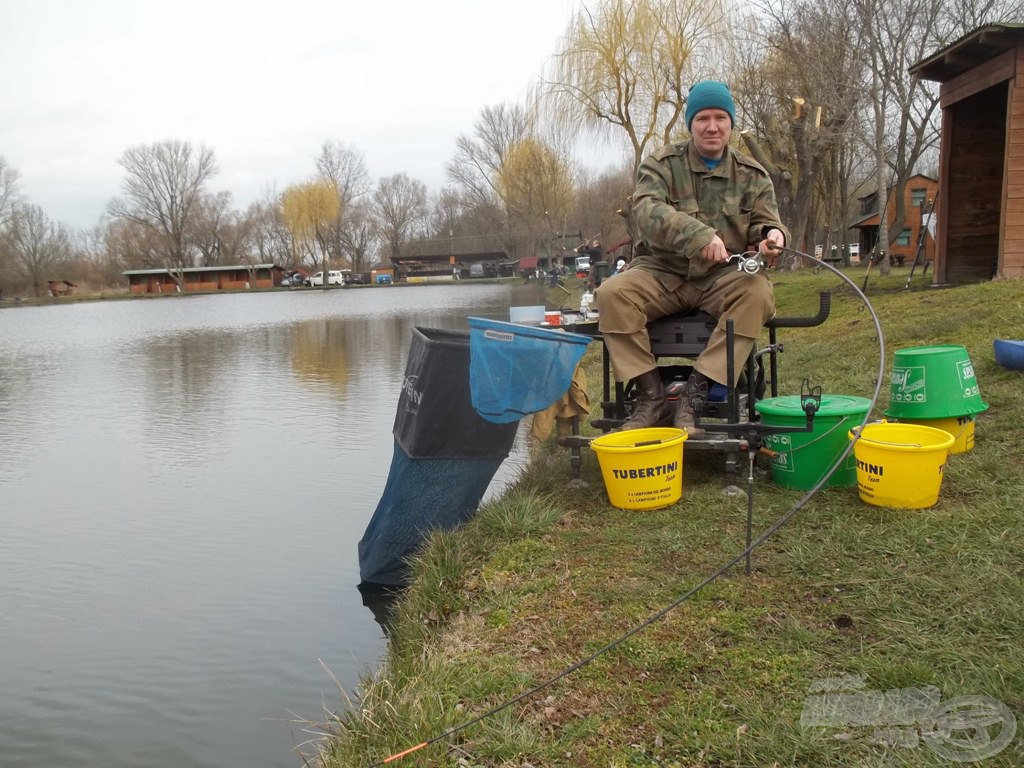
[
  {"x": 715, "y": 250},
  {"x": 772, "y": 243}
]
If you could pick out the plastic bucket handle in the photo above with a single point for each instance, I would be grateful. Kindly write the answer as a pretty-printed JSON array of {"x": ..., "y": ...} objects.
[
  {"x": 648, "y": 442},
  {"x": 822, "y": 436},
  {"x": 855, "y": 434}
]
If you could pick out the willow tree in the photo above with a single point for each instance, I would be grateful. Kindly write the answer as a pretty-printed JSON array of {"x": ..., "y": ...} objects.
[
  {"x": 624, "y": 67},
  {"x": 535, "y": 183},
  {"x": 309, "y": 211}
]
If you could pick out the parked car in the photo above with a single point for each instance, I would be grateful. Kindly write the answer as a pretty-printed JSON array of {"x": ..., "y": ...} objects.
[
  {"x": 356, "y": 278},
  {"x": 384, "y": 280},
  {"x": 334, "y": 277},
  {"x": 294, "y": 280}
]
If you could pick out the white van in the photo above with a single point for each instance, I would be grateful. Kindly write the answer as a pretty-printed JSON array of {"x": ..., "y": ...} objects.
[{"x": 334, "y": 277}]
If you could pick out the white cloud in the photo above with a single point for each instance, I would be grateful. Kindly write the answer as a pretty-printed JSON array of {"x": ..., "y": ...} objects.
[{"x": 263, "y": 84}]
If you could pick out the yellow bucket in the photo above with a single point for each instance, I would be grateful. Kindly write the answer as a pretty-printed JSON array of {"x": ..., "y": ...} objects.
[
  {"x": 642, "y": 468},
  {"x": 960, "y": 427},
  {"x": 900, "y": 465}
]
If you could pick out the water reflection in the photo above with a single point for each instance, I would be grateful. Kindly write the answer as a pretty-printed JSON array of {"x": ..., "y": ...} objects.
[{"x": 381, "y": 601}]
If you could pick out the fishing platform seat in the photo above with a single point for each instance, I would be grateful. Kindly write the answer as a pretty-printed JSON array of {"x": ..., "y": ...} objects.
[{"x": 676, "y": 341}]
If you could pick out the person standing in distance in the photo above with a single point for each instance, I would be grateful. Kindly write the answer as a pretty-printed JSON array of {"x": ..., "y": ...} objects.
[{"x": 695, "y": 204}]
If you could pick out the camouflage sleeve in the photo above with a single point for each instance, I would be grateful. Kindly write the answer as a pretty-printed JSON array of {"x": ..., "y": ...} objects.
[
  {"x": 765, "y": 214},
  {"x": 661, "y": 223}
]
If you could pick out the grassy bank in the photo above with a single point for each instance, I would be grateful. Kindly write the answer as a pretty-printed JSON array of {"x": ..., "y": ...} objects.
[{"x": 551, "y": 574}]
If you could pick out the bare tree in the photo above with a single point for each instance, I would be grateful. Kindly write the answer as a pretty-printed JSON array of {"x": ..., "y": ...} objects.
[
  {"x": 446, "y": 209},
  {"x": 39, "y": 247},
  {"x": 8, "y": 200},
  {"x": 400, "y": 209},
  {"x": 130, "y": 245},
  {"x": 599, "y": 200},
  {"x": 8, "y": 192},
  {"x": 91, "y": 246},
  {"x": 623, "y": 68},
  {"x": 210, "y": 228},
  {"x": 479, "y": 158},
  {"x": 359, "y": 235},
  {"x": 163, "y": 187},
  {"x": 459, "y": 223},
  {"x": 896, "y": 35},
  {"x": 345, "y": 169},
  {"x": 799, "y": 90},
  {"x": 269, "y": 241}
]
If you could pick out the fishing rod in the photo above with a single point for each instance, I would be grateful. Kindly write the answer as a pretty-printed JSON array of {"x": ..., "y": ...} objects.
[{"x": 717, "y": 573}]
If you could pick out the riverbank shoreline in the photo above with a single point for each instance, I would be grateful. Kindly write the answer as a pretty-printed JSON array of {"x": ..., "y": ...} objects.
[
  {"x": 554, "y": 629},
  {"x": 8, "y": 302}
]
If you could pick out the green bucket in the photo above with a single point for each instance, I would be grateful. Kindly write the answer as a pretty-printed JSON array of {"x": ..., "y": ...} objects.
[
  {"x": 801, "y": 459},
  {"x": 935, "y": 382}
]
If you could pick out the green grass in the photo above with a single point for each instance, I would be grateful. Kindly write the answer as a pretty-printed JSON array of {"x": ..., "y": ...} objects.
[{"x": 551, "y": 574}]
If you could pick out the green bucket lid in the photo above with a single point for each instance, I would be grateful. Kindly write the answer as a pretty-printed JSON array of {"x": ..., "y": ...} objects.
[{"x": 831, "y": 405}]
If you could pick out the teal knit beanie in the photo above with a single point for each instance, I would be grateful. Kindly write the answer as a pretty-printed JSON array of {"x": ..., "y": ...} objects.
[{"x": 709, "y": 94}]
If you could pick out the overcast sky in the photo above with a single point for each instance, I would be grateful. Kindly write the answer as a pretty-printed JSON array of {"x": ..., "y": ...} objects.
[{"x": 263, "y": 84}]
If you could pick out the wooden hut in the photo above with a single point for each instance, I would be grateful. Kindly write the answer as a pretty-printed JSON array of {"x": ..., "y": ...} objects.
[
  {"x": 204, "y": 279},
  {"x": 980, "y": 205}
]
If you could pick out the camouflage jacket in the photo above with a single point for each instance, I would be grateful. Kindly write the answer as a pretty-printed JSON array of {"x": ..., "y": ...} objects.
[{"x": 679, "y": 205}]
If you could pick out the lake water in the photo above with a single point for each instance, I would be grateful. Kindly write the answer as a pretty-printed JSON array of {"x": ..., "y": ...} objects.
[{"x": 183, "y": 482}]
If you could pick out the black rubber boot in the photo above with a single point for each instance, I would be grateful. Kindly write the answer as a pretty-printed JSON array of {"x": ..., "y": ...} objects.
[
  {"x": 694, "y": 394},
  {"x": 652, "y": 408}
]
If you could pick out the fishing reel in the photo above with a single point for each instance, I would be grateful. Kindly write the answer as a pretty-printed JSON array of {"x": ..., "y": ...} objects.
[{"x": 749, "y": 262}]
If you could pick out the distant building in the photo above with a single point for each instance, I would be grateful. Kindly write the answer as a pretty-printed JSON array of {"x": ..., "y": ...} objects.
[
  {"x": 204, "y": 279},
  {"x": 61, "y": 287},
  {"x": 918, "y": 197},
  {"x": 443, "y": 266}
]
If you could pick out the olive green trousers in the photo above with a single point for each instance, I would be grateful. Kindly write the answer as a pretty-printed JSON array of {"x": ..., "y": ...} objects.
[{"x": 627, "y": 302}]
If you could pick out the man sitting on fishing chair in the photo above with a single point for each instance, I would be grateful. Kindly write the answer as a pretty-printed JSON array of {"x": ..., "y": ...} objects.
[{"x": 695, "y": 204}]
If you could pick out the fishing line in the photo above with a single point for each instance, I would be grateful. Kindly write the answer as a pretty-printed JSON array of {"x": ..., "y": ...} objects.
[{"x": 718, "y": 573}]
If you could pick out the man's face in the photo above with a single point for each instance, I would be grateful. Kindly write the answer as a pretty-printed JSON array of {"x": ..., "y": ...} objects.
[{"x": 711, "y": 129}]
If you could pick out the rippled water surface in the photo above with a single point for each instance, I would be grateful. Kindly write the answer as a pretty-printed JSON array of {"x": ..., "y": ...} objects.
[{"x": 183, "y": 482}]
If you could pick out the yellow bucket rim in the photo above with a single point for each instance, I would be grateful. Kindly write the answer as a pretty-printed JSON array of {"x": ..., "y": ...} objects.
[
  {"x": 932, "y": 439},
  {"x": 632, "y": 440}
]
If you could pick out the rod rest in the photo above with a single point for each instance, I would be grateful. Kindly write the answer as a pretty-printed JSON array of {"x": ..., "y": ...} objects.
[{"x": 824, "y": 307}]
